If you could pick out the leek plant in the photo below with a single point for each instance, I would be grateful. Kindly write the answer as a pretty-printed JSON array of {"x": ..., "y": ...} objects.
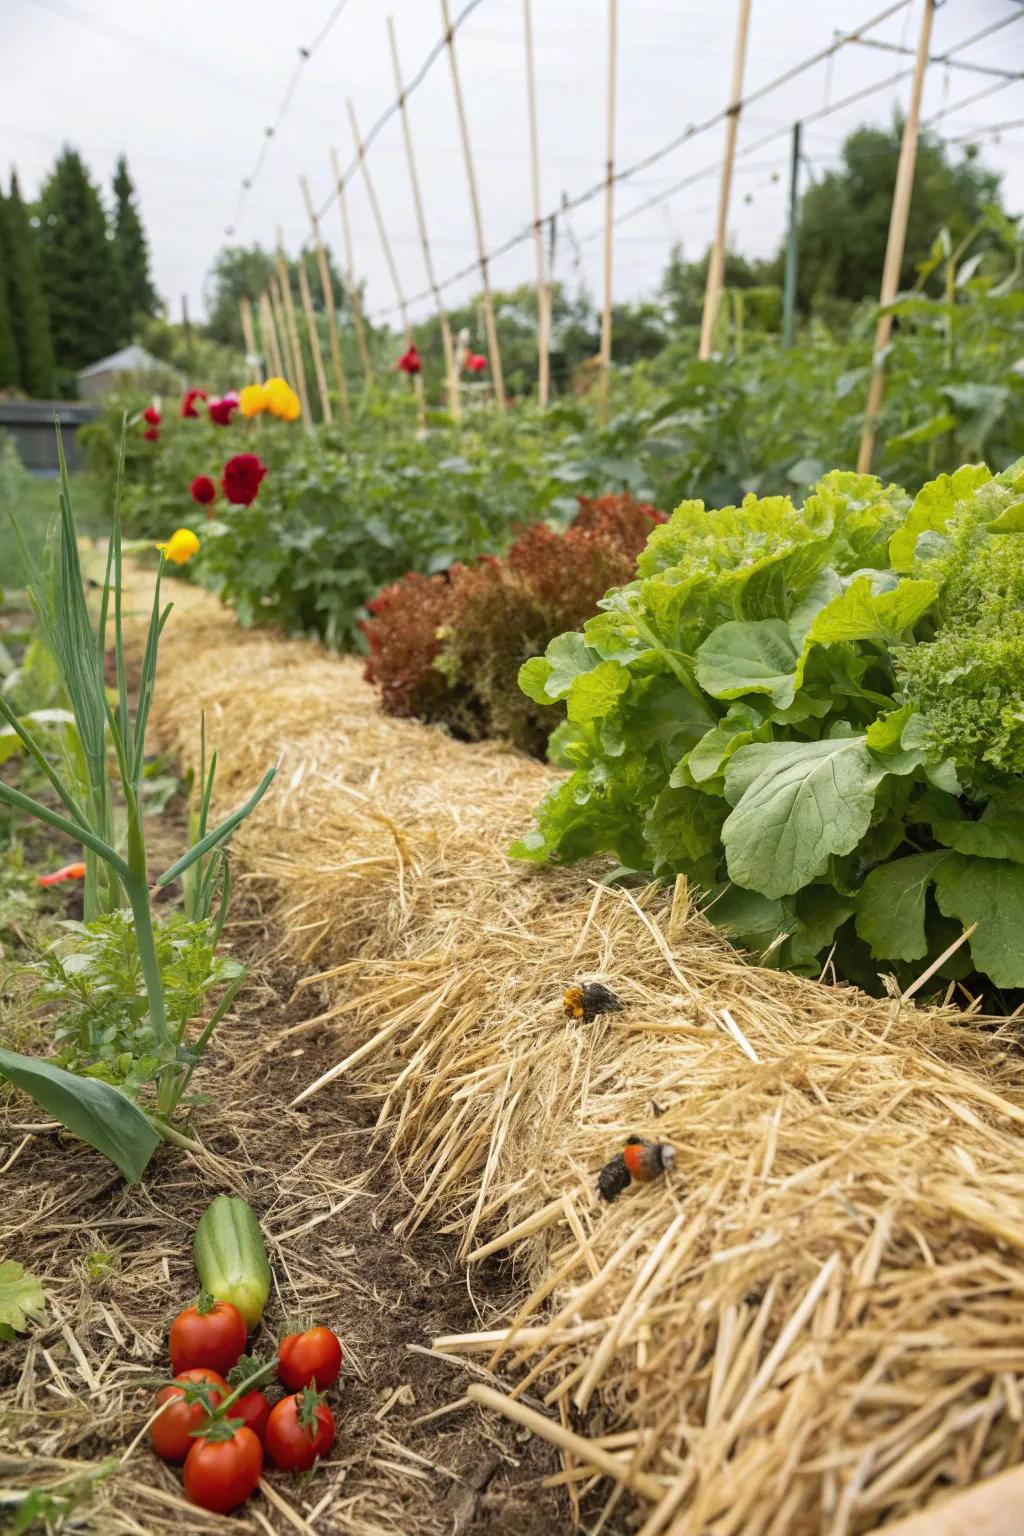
[{"x": 104, "y": 771}]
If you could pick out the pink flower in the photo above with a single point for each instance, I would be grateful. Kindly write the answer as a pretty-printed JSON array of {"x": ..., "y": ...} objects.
[
  {"x": 151, "y": 415},
  {"x": 151, "y": 434},
  {"x": 410, "y": 361},
  {"x": 475, "y": 363}
]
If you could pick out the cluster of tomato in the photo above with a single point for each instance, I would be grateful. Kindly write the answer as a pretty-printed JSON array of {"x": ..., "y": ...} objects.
[{"x": 216, "y": 1418}]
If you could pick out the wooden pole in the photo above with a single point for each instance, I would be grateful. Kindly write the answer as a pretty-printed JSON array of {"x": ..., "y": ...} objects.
[
  {"x": 543, "y": 292},
  {"x": 249, "y": 336},
  {"x": 293, "y": 331},
  {"x": 716, "y": 266},
  {"x": 327, "y": 289},
  {"x": 286, "y": 365},
  {"x": 897, "y": 240},
  {"x": 489, "y": 323},
  {"x": 605, "y": 353},
  {"x": 350, "y": 275},
  {"x": 378, "y": 219},
  {"x": 314, "y": 342},
  {"x": 271, "y": 345},
  {"x": 792, "y": 233},
  {"x": 451, "y": 372}
]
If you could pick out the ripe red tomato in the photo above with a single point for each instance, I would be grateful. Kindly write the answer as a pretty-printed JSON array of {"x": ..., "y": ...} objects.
[
  {"x": 222, "y": 1470},
  {"x": 310, "y": 1359},
  {"x": 213, "y": 1334},
  {"x": 254, "y": 1410},
  {"x": 299, "y": 1431},
  {"x": 171, "y": 1434}
]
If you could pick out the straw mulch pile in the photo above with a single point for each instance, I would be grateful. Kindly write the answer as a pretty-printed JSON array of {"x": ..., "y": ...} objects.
[{"x": 816, "y": 1322}]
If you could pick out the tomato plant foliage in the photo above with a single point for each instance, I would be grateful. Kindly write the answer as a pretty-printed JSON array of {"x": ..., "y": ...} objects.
[{"x": 815, "y": 712}]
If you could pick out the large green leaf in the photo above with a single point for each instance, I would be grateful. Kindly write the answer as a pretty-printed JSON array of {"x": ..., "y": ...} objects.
[
  {"x": 936, "y": 508},
  {"x": 796, "y": 804},
  {"x": 754, "y": 657},
  {"x": 100, "y": 1114},
  {"x": 595, "y": 694},
  {"x": 989, "y": 892},
  {"x": 740, "y": 727},
  {"x": 863, "y": 614},
  {"x": 891, "y": 906}
]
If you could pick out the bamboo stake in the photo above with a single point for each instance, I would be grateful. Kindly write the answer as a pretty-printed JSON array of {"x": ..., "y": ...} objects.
[
  {"x": 327, "y": 289},
  {"x": 280, "y": 327},
  {"x": 293, "y": 331},
  {"x": 314, "y": 342},
  {"x": 350, "y": 275},
  {"x": 396, "y": 281},
  {"x": 488, "y": 302},
  {"x": 716, "y": 266},
  {"x": 451, "y": 372},
  {"x": 245, "y": 309},
  {"x": 605, "y": 353},
  {"x": 897, "y": 239},
  {"x": 543, "y": 292},
  {"x": 268, "y": 331}
]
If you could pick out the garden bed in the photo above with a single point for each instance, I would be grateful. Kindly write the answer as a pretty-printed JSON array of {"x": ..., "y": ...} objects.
[{"x": 816, "y": 1322}]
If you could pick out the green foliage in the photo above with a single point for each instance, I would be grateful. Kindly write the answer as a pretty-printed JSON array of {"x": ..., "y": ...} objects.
[
  {"x": 92, "y": 973},
  {"x": 844, "y": 215},
  {"x": 109, "y": 756},
  {"x": 21, "y": 1300},
  {"x": 80, "y": 276},
  {"x": 131, "y": 254},
  {"x": 797, "y": 707}
]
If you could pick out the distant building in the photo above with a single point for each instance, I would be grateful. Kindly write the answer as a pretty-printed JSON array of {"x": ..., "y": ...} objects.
[{"x": 131, "y": 368}]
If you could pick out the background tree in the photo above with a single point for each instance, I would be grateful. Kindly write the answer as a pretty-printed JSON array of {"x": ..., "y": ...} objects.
[
  {"x": 80, "y": 276},
  {"x": 10, "y": 372},
  {"x": 684, "y": 282},
  {"x": 243, "y": 272},
  {"x": 30, "y": 320},
  {"x": 844, "y": 218},
  {"x": 139, "y": 297}
]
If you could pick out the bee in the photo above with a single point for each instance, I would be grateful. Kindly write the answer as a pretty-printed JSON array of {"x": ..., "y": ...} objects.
[
  {"x": 587, "y": 1001},
  {"x": 639, "y": 1160}
]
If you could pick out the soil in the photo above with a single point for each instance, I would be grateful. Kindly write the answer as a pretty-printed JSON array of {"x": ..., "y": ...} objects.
[{"x": 116, "y": 1264}]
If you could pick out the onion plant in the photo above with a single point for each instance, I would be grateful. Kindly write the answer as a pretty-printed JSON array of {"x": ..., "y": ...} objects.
[{"x": 107, "y": 771}]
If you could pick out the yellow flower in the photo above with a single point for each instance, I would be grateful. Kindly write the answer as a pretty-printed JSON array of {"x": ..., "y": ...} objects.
[
  {"x": 180, "y": 547},
  {"x": 253, "y": 400},
  {"x": 282, "y": 400}
]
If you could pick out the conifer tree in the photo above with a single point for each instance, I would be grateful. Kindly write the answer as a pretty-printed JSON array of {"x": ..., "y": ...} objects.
[
  {"x": 10, "y": 376},
  {"x": 29, "y": 318},
  {"x": 138, "y": 293},
  {"x": 79, "y": 272}
]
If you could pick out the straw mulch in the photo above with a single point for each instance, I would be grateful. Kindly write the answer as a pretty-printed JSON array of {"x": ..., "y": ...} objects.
[{"x": 816, "y": 1322}]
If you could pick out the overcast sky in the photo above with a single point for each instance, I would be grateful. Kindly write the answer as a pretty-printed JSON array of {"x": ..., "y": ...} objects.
[{"x": 186, "y": 90}]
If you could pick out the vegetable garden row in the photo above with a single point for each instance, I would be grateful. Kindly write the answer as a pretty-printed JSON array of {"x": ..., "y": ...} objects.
[{"x": 763, "y": 1220}]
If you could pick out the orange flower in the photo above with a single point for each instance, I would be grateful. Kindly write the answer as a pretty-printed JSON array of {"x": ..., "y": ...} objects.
[{"x": 69, "y": 872}]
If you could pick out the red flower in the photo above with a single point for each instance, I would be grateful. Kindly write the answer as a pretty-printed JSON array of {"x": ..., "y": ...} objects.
[
  {"x": 241, "y": 478},
  {"x": 220, "y": 410},
  {"x": 188, "y": 404},
  {"x": 151, "y": 434},
  {"x": 475, "y": 363},
  {"x": 203, "y": 490},
  {"x": 410, "y": 361},
  {"x": 152, "y": 415}
]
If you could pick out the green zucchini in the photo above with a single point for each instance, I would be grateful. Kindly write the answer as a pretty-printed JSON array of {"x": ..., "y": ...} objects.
[{"x": 230, "y": 1257}]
